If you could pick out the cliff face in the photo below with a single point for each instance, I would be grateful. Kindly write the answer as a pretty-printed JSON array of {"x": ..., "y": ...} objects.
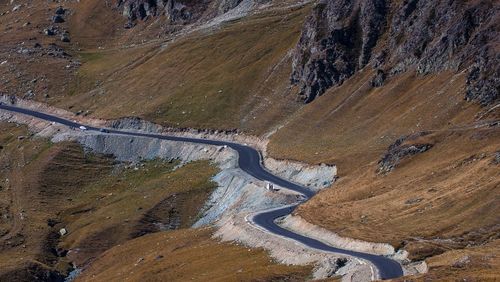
[
  {"x": 341, "y": 37},
  {"x": 176, "y": 11}
]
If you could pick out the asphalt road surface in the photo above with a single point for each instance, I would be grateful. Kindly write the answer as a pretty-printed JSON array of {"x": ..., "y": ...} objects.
[{"x": 249, "y": 161}]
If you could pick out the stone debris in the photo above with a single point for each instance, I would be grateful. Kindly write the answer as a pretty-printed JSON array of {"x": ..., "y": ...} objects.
[
  {"x": 462, "y": 262},
  {"x": 65, "y": 37},
  {"x": 57, "y": 19},
  {"x": 60, "y": 11},
  {"x": 63, "y": 231}
]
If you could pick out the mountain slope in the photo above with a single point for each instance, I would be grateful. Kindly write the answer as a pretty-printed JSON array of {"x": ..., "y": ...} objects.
[{"x": 400, "y": 95}]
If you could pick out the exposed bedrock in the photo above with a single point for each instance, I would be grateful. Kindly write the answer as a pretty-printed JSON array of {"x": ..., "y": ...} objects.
[
  {"x": 336, "y": 41},
  {"x": 340, "y": 37},
  {"x": 404, "y": 148},
  {"x": 176, "y": 11}
]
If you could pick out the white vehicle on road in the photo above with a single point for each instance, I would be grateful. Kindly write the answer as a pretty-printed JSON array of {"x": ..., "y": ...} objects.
[
  {"x": 270, "y": 187},
  {"x": 82, "y": 128}
]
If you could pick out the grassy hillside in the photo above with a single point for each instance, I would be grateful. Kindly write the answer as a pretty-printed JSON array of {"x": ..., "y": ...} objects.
[
  {"x": 418, "y": 164},
  {"x": 46, "y": 187},
  {"x": 431, "y": 202},
  {"x": 188, "y": 255},
  {"x": 101, "y": 204},
  {"x": 479, "y": 263},
  {"x": 233, "y": 77}
]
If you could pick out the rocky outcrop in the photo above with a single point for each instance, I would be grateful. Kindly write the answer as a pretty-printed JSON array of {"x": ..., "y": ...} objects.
[
  {"x": 337, "y": 40},
  {"x": 340, "y": 37},
  {"x": 496, "y": 159},
  {"x": 402, "y": 148},
  {"x": 378, "y": 79},
  {"x": 226, "y": 5},
  {"x": 176, "y": 11},
  {"x": 32, "y": 271}
]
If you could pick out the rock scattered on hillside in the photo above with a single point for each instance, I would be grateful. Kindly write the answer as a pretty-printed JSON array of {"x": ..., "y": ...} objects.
[
  {"x": 462, "y": 262},
  {"x": 496, "y": 159},
  {"x": 60, "y": 11},
  {"x": 50, "y": 31},
  {"x": 65, "y": 37},
  {"x": 378, "y": 79},
  {"x": 63, "y": 231},
  {"x": 57, "y": 19}
]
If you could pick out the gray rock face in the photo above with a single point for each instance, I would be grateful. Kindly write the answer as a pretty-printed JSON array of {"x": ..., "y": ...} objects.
[
  {"x": 176, "y": 11},
  {"x": 226, "y": 5},
  {"x": 402, "y": 148},
  {"x": 496, "y": 159},
  {"x": 430, "y": 36},
  {"x": 337, "y": 40},
  {"x": 379, "y": 78}
]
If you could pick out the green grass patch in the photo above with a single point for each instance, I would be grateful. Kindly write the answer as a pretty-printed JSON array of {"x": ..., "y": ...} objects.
[{"x": 88, "y": 57}]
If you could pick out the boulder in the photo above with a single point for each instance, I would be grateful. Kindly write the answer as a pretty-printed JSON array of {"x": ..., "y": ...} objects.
[
  {"x": 65, "y": 37},
  {"x": 63, "y": 231},
  {"x": 60, "y": 11},
  {"x": 378, "y": 79},
  {"x": 57, "y": 19},
  {"x": 462, "y": 262},
  {"x": 49, "y": 31}
]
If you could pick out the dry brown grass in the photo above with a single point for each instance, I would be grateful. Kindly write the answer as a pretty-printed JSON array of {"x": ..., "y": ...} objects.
[
  {"x": 22, "y": 224},
  {"x": 188, "y": 255},
  {"x": 103, "y": 206},
  {"x": 353, "y": 124},
  {"x": 472, "y": 264},
  {"x": 122, "y": 206},
  {"x": 445, "y": 192},
  {"x": 100, "y": 205},
  {"x": 355, "y": 136},
  {"x": 228, "y": 78},
  {"x": 39, "y": 72},
  {"x": 170, "y": 80}
]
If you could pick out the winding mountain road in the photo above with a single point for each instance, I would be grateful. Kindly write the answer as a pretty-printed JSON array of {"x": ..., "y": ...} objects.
[{"x": 249, "y": 161}]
